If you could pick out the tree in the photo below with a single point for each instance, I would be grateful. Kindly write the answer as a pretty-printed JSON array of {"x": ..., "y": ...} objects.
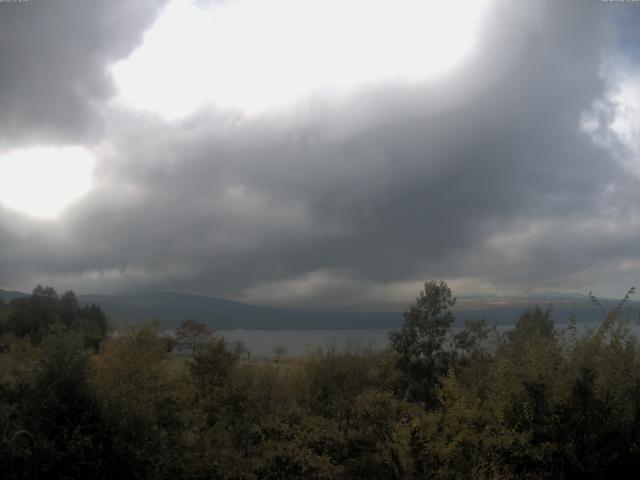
[
  {"x": 60, "y": 410},
  {"x": 532, "y": 323},
  {"x": 239, "y": 348},
  {"x": 194, "y": 334},
  {"x": 420, "y": 343},
  {"x": 469, "y": 343},
  {"x": 34, "y": 316},
  {"x": 45, "y": 312},
  {"x": 212, "y": 363},
  {"x": 279, "y": 351},
  {"x": 92, "y": 322},
  {"x": 141, "y": 403}
]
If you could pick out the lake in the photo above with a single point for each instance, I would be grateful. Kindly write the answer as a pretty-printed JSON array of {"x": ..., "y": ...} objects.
[{"x": 261, "y": 343}]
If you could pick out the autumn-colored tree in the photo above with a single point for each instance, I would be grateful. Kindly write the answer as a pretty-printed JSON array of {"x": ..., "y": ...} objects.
[
  {"x": 212, "y": 364},
  {"x": 193, "y": 334},
  {"x": 142, "y": 405},
  {"x": 539, "y": 401}
]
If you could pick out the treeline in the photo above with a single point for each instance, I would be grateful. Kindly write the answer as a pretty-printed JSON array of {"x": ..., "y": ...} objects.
[
  {"x": 534, "y": 402},
  {"x": 45, "y": 313}
]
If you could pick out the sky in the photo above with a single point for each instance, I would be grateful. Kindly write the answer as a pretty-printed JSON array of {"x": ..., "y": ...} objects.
[{"x": 320, "y": 153}]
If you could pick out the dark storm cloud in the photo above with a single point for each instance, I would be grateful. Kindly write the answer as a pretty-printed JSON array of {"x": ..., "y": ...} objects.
[
  {"x": 53, "y": 56},
  {"x": 484, "y": 177}
]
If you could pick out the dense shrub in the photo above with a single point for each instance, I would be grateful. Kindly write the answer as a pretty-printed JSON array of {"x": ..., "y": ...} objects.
[{"x": 534, "y": 402}]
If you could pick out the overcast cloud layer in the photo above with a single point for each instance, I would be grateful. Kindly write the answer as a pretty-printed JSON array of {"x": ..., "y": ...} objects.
[{"x": 518, "y": 172}]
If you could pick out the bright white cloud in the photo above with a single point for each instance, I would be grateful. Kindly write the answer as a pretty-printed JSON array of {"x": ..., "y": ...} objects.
[
  {"x": 626, "y": 124},
  {"x": 614, "y": 120},
  {"x": 254, "y": 55},
  {"x": 43, "y": 181}
]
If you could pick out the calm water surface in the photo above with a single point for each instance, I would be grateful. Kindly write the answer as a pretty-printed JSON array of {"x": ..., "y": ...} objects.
[{"x": 261, "y": 343}]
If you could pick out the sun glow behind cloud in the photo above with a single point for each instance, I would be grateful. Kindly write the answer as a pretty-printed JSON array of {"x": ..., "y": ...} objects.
[
  {"x": 252, "y": 55},
  {"x": 613, "y": 121},
  {"x": 43, "y": 181}
]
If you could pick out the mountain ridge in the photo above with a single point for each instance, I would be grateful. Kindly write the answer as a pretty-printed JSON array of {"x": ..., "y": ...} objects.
[{"x": 171, "y": 308}]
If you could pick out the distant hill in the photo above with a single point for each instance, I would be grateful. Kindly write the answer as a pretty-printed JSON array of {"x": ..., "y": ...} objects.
[
  {"x": 7, "y": 296},
  {"x": 507, "y": 310},
  {"x": 171, "y": 308}
]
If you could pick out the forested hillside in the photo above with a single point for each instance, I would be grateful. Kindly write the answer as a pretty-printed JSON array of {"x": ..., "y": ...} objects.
[{"x": 534, "y": 402}]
